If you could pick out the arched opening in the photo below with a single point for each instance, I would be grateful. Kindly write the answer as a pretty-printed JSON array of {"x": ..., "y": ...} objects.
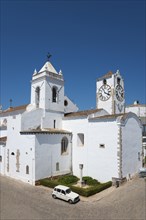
[
  {"x": 64, "y": 145},
  {"x": 54, "y": 94},
  {"x": 37, "y": 96}
]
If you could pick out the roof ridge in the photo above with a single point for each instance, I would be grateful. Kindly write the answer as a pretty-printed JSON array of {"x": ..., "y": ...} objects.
[
  {"x": 12, "y": 109},
  {"x": 107, "y": 75},
  {"x": 83, "y": 112}
]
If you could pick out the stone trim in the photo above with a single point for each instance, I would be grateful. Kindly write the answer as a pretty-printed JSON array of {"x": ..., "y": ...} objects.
[{"x": 119, "y": 152}]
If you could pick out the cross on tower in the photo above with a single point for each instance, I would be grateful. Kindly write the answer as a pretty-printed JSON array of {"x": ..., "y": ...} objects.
[{"x": 48, "y": 56}]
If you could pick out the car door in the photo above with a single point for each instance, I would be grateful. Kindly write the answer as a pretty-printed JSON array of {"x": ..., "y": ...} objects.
[
  {"x": 63, "y": 195},
  {"x": 58, "y": 193}
]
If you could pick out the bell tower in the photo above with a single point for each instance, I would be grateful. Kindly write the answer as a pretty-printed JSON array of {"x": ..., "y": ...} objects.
[
  {"x": 47, "y": 89},
  {"x": 110, "y": 93}
]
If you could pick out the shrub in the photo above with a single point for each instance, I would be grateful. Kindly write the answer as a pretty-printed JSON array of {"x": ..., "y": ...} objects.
[
  {"x": 92, "y": 189},
  {"x": 68, "y": 179},
  {"x": 48, "y": 182},
  {"x": 90, "y": 181}
]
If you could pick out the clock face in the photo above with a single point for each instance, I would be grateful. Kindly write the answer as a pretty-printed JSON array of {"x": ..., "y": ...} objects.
[
  {"x": 119, "y": 93},
  {"x": 104, "y": 92}
]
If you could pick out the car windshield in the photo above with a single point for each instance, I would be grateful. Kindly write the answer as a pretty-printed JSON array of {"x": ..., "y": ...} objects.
[{"x": 68, "y": 191}]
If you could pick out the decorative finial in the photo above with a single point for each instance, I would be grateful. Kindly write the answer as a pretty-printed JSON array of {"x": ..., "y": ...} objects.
[
  {"x": 118, "y": 72},
  {"x": 48, "y": 56},
  {"x": 35, "y": 72},
  {"x": 60, "y": 72}
]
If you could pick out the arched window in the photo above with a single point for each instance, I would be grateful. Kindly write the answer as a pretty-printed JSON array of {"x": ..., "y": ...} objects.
[
  {"x": 54, "y": 94},
  {"x": 27, "y": 169},
  {"x": 64, "y": 145},
  {"x": 37, "y": 96}
]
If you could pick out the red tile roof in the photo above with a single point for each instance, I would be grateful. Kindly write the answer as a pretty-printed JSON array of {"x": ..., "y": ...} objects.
[
  {"x": 82, "y": 113},
  {"x": 107, "y": 75},
  {"x": 12, "y": 109},
  {"x": 46, "y": 131}
]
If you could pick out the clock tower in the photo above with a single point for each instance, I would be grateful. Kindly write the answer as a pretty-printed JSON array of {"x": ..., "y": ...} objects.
[{"x": 110, "y": 93}]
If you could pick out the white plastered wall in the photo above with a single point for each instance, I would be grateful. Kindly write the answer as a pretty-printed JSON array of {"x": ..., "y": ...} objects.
[
  {"x": 99, "y": 163},
  {"x": 48, "y": 153},
  {"x": 131, "y": 146},
  {"x": 25, "y": 145}
]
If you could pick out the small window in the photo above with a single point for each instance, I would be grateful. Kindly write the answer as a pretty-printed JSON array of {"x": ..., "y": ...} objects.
[
  {"x": 139, "y": 156},
  {"x": 27, "y": 169},
  {"x": 12, "y": 153},
  {"x": 102, "y": 145},
  {"x": 80, "y": 139},
  {"x": 64, "y": 145},
  {"x": 65, "y": 102},
  {"x": 54, "y": 123},
  {"x": 0, "y": 158},
  {"x": 57, "y": 166}
]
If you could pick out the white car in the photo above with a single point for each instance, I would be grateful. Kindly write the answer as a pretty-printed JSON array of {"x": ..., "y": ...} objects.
[
  {"x": 65, "y": 193},
  {"x": 142, "y": 172}
]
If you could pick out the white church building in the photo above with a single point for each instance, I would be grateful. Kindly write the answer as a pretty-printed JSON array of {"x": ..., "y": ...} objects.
[{"x": 50, "y": 137}]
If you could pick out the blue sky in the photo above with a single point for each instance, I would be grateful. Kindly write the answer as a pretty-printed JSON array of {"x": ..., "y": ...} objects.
[{"x": 86, "y": 39}]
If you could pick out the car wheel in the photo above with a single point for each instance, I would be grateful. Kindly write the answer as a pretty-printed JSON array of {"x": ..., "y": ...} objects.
[
  {"x": 54, "y": 196},
  {"x": 70, "y": 201}
]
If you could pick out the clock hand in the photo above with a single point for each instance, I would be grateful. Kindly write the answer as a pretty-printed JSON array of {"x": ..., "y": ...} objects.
[
  {"x": 106, "y": 93},
  {"x": 104, "y": 90}
]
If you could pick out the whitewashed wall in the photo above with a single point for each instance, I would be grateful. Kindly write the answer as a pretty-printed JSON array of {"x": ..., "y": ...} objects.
[
  {"x": 48, "y": 118},
  {"x": 139, "y": 110},
  {"x": 48, "y": 153},
  {"x": 31, "y": 119},
  {"x": 131, "y": 146},
  {"x": 25, "y": 145},
  {"x": 70, "y": 107},
  {"x": 103, "y": 161},
  {"x": 99, "y": 163}
]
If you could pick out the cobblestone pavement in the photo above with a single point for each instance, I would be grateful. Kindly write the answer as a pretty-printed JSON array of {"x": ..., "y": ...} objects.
[{"x": 22, "y": 201}]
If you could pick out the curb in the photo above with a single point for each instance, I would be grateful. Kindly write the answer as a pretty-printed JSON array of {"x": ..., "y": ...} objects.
[{"x": 99, "y": 195}]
